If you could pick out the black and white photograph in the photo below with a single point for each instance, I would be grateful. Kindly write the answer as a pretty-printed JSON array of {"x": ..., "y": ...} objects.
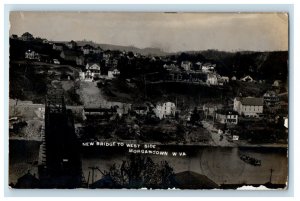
[{"x": 148, "y": 100}]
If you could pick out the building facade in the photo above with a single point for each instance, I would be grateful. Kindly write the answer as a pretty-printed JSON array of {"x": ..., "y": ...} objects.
[
  {"x": 271, "y": 99},
  {"x": 186, "y": 65},
  {"x": 248, "y": 106},
  {"x": 32, "y": 55},
  {"x": 112, "y": 73},
  {"x": 212, "y": 79},
  {"x": 227, "y": 117},
  {"x": 164, "y": 110},
  {"x": 93, "y": 70}
]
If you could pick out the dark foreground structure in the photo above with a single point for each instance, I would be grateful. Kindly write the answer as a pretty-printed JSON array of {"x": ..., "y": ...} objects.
[{"x": 60, "y": 162}]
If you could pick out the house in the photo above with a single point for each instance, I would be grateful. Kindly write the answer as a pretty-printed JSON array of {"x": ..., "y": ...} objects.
[
  {"x": 100, "y": 113},
  {"x": 186, "y": 65},
  {"x": 247, "y": 78},
  {"x": 113, "y": 72},
  {"x": 32, "y": 55},
  {"x": 277, "y": 83},
  {"x": 87, "y": 49},
  {"x": 56, "y": 61},
  {"x": 80, "y": 60},
  {"x": 286, "y": 122},
  {"x": 175, "y": 75},
  {"x": 140, "y": 109},
  {"x": 271, "y": 99},
  {"x": 58, "y": 46},
  {"x": 225, "y": 79},
  {"x": 222, "y": 80},
  {"x": 106, "y": 55},
  {"x": 111, "y": 63},
  {"x": 212, "y": 79},
  {"x": 93, "y": 71},
  {"x": 45, "y": 58},
  {"x": 211, "y": 108},
  {"x": 73, "y": 56},
  {"x": 72, "y": 44},
  {"x": 27, "y": 36},
  {"x": 97, "y": 50},
  {"x": 227, "y": 117},
  {"x": 163, "y": 110},
  {"x": 198, "y": 65},
  {"x": 82, "y": 75},
  {"x": 208, "y": 67},
  {"x": 171, "y": 67},
  {"x": 248, "y": 106}
]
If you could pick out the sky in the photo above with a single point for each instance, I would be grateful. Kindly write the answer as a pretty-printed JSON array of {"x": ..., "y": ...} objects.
[{"x": 171, "y": 32}]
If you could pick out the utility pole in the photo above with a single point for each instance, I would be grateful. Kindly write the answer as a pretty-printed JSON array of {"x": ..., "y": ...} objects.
[
  {"x": 93, "y": 171},
  {"x": 88, "y": 181},
  {"x": 271, "y": 170}
]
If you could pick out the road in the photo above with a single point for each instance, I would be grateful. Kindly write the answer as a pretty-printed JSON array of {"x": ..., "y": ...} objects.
[{"x": 216, "y": 137}]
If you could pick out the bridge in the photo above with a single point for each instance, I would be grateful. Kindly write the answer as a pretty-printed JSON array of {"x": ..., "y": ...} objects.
[{"x": 59, "y": 157}]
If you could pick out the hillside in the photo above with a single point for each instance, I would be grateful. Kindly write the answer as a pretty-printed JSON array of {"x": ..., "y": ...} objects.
[{"x": 143, "y": 51}]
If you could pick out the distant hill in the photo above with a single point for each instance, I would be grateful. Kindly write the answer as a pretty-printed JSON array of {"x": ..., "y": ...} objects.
[
  {"x": 143, "y": 51},
  {"x": 269, "y": 65}
]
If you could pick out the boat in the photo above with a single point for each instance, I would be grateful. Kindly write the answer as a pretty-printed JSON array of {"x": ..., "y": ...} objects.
[{"x": 250, "y": 160}]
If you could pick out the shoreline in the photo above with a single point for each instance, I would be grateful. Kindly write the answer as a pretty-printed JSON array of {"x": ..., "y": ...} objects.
[{"x": 175, "y": 144}]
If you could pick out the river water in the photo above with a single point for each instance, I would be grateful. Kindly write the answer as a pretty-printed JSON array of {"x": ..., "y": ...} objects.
[{"x": 220, "y": 164}]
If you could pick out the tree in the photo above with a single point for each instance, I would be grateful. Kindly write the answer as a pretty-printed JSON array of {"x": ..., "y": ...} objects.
[
  {"x": 195, "y": 116},
  {"x": 140, "y": 171}
]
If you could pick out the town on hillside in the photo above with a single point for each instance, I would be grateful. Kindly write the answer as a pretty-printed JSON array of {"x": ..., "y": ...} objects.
[{"x": 67, "y": 94}]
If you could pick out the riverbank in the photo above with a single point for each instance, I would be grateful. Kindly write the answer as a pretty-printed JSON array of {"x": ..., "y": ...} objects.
[{"x": 231, "y": 145}]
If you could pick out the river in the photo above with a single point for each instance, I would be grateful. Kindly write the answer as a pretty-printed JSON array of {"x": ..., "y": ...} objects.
[{"x": 220, "y": 164}]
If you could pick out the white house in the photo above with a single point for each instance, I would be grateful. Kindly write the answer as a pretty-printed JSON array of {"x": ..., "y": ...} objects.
[
  {"x": 227, "y": 117},
  {"x": 30, "y": 54},
  {"x": 248, "y": 106},
  {"x": 225, "y": 79},
  {"x": 171, "y": 67},
  {"x": 58, "y": 46},
  {"x": 93, "y": 71},
  {"x": 286, "y": 122},
  {"x": 271, "y": 99},
  {"x": 82, "y": 75},
  {"x": 212, "y": 79},
  {"x": 208, "y": 67},
  {"x": 163, "y": 110},
  {"x": 56, "y": 61},
  {"x": 186, "y": 65},
  {"x": 112, "y": 73},
  {"x": 72, "y": 44}
]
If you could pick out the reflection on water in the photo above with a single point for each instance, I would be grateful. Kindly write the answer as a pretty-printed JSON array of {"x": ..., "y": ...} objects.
[{"x": 220, "y": 164}]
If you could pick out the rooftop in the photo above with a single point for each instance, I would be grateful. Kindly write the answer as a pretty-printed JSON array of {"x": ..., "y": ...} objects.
[{"x": 252, "y": 101}]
